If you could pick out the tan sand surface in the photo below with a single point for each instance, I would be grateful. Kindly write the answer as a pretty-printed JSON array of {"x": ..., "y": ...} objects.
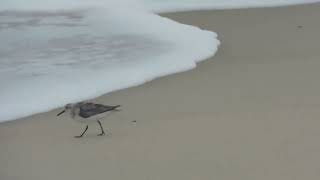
[{"x": 250, "y": 113}]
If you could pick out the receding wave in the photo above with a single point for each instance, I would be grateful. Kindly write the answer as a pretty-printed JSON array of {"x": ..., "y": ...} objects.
[
  {"x": 60, "y": 51},
  {"x": 50, "y": 57}
]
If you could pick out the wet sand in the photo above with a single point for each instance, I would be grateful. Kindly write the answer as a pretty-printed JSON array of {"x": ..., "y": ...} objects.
[{"x": 251, "y": 112}]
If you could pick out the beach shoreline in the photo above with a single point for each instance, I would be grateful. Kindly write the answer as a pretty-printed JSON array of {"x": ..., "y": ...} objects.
[{"x": 249, "y": 112}]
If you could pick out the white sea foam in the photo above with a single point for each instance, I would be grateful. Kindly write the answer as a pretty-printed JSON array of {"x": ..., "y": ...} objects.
[
  {"x": 60, "y": 51},
  {"x": 50, "y": 56}
]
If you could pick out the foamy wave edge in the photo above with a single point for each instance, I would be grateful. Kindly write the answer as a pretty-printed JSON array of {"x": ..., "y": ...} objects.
[{"x": 60, "y": 55}]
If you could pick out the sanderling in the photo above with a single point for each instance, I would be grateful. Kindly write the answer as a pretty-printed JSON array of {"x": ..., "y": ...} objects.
[{"x": 87, "y": 113}]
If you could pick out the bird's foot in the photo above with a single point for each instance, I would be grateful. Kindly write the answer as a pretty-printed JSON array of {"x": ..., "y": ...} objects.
[
  {"x": 77, "y": 136},
  {"x": 102, "y": 134}
]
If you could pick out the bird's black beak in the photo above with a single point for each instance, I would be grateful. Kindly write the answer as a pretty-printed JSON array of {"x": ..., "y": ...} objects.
[{"x": 61, "y": 112}]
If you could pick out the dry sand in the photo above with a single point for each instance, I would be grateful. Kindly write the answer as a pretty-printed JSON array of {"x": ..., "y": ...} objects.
[{"x": 250, "y": 113}]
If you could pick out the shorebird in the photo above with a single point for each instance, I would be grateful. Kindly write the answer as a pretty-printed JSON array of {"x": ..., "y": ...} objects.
[{"x": 87, "y": 113}]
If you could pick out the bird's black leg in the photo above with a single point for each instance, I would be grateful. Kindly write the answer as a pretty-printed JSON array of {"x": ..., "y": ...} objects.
[
  {"x": 82, "y": 133},
  {"x": 102, "y": 131}
]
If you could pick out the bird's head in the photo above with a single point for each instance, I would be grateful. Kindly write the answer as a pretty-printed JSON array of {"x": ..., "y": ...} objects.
[{"x": 66, "y": 108}]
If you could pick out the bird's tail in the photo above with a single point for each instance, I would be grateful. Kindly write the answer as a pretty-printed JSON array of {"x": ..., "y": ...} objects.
[{"x": 116, "y": 108}]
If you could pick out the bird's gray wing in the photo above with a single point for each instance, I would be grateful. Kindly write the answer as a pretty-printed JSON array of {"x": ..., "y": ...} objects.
[{"x": 90, "y": 109}]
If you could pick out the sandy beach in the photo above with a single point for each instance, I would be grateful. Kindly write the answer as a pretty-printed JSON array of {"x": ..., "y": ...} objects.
[{"x": 252, "y": 112}]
